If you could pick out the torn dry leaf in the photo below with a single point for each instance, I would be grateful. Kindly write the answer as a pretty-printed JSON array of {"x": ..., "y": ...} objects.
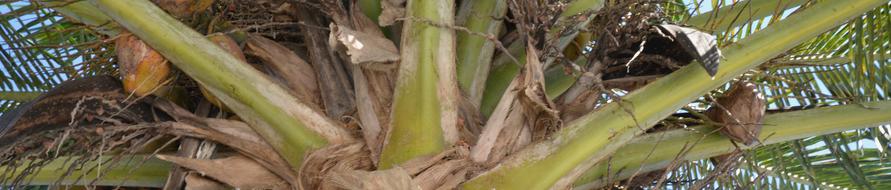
[
  {"x": 234, "y": 134},
  {"x": 363, "y": 47},
  {"x": 436, "y": 176},
  {"x": 373, "y": 81},
  {"x": 373, "y": 93},
  {"x": 195, "y": 181},
  {"x": 331, "y": 69},
  {"x": 701, "y": 45},
  {"x": 321, "y": 162},
  {"x": 395, "y": 178},
  {"x": 524, "y": 114},
  {"x": 296, "y": 73},
  {"x": 237, "y": 171}
]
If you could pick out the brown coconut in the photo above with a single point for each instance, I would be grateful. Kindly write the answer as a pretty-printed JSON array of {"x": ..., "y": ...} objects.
[{"x": 741, "y": 111}]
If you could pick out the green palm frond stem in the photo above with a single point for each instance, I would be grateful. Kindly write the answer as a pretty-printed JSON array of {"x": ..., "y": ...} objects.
[
  {"x": 591, "y": 138},
  {"x": 283, "y": 121},
  {"x": 423, "y": 102},
  {"x": 129, "y": 171},
  {"x": 656, "y": 151},
  {"x": 822, "y": 60},
  {"x": 474, "y": 50},
  {"x": 726, "y": 17},
  {"x": 85, "y": 13},
  {"x": 19, "y": 96}
]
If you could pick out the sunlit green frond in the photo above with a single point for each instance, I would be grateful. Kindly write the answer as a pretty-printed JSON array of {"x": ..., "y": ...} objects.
[{"x": 847, "y": 65}]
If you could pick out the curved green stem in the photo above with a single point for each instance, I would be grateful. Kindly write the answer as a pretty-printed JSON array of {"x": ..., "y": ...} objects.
[{"x": 130, "y": 171}]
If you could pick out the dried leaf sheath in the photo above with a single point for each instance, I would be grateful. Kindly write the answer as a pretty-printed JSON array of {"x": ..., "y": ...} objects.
[
  {"x": 296, "y": 73},
  {"x": 373, "y": 76},
  {"x": 525, "y": 114},
  {"x": 333, "y": 71}
]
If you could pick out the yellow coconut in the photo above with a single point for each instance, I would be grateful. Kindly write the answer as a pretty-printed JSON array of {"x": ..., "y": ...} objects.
[{"x": 142, "y": 68}]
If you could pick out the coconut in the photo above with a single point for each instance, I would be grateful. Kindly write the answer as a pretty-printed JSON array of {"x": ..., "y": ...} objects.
[
  {"x": 741, "y": 111},
  {"x": 142, "y": 69}
]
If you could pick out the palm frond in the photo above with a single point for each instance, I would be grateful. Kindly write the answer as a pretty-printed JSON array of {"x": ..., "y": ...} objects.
[
  {"x": 847, "y": 65},
  {"x": 42, "y": 49}
]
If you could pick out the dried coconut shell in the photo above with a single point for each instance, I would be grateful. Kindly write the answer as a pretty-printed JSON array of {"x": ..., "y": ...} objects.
[{"x": 741, "y": 110}]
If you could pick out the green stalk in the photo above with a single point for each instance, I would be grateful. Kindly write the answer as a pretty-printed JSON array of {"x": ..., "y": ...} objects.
[
  {"x": 504, "y": 71},
  {"x": 283, "y": 121},
  {"x": 655, "y": 151},
  {"x": 371, "y": 8},
  {"x": 130, "y": 171},
  {"x": 19, "y": 96},
  {"x": 557, "y": 81},
  {"x": 739, "y": 13},
  {"x": 85, "y": 13},
  {"x": 475, "y": 51},
  {"x": 422, "y": 104},
  {"x": 587, "y": 140}
]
